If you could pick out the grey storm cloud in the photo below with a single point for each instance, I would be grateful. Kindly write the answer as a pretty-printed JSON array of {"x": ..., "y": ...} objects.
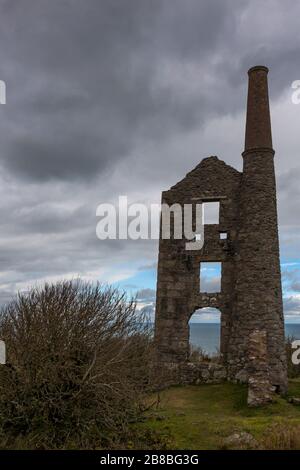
[
  {"x": 296, "y": 286},
  {"x": 86, "y": 80},
  {"x": 291, "y": 279},
  {"x": 210, "y": 284},
  {"x": 91, "y": 78},
  {"x": 118, "y": 97},
  {"x": 291, "y": 306},
  {"x": 146, "y": 295}
]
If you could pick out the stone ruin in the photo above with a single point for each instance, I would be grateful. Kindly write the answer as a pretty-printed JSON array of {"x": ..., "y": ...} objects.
[{"x": 245, "y": 242}]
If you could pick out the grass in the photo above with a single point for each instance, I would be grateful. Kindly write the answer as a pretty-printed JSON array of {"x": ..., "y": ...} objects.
[{"x": 200, "y": 417}]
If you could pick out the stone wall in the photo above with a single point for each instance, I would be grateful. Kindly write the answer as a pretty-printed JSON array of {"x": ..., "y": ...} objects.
[
  {"x": 178, "y": 283},
  {"x": 202, "y": 373},
  {"x": 190, "y": 373}
]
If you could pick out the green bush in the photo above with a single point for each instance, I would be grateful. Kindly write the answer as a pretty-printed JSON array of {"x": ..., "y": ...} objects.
[{"x": 78, "y": 367}]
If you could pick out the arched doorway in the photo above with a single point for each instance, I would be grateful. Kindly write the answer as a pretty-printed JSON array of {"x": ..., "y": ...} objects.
[{"x": 205, "y": 333}]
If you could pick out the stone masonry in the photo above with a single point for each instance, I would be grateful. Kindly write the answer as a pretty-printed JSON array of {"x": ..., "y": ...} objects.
[
  {"x": 250, "y": 299},
  {"x": 260, "y": 389}
]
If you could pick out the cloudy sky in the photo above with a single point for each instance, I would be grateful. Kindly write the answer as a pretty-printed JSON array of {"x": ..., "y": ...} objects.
[{"x": 123, "y": 97}]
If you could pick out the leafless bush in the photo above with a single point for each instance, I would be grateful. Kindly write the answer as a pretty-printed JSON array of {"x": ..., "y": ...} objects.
[
  {"x": 198, "y": 354},
  {"x": 78, "y": 366}
]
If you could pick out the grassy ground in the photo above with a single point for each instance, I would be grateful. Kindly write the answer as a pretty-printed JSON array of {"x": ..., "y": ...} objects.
[{"x": 200, "y": 417}]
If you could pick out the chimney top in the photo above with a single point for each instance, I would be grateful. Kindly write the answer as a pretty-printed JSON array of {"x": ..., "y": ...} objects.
[
  {"x": 258, "y": 67},
  {"x": 258, "y": 121}
]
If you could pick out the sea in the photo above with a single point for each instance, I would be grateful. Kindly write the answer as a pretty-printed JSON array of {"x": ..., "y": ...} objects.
[{"x": 207, "y": 335}]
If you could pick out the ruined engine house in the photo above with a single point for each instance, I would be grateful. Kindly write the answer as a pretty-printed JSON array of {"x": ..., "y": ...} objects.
[{"x": 245, "y": 242}]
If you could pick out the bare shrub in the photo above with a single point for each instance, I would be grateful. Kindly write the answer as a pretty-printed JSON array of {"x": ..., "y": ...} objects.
[
  {"x": 78, "y": 366},
  {"x": 198, "y": 354}
]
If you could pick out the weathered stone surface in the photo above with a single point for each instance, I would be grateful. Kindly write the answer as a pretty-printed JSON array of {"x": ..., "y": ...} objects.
[
  {"x": 205, "y": 372},
  {"x": 240, "y": 440},
  {"x": 251, "y": 294},
  {"x": 294, "y": 401},
  {"x": 260, "y": 390}
]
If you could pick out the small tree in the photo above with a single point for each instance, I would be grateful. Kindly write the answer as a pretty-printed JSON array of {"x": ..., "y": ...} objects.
[{"x": 78, "y": 363}]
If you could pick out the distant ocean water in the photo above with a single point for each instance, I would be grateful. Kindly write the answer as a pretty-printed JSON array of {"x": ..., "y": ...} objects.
[{"x": 207, "y": 335}]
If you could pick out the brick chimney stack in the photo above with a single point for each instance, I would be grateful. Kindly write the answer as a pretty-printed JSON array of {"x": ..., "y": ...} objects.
[
  {"x": 258, "y": 122},
  {"x": 258, "y": 291}
]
